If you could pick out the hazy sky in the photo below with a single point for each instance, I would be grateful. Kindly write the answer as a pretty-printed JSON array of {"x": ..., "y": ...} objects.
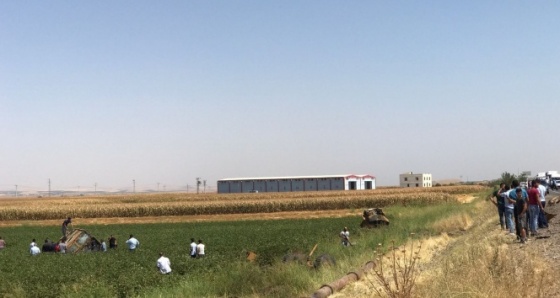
[{"x": 108, "y": 92}]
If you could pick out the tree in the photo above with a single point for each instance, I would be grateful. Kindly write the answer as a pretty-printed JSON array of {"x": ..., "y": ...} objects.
[{"x": 507, "y": 178}]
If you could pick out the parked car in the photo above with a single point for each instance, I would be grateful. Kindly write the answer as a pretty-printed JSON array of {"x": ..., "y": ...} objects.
[
  {"x": 545, "y": 184},
  {"x": 555, "y": 183}
]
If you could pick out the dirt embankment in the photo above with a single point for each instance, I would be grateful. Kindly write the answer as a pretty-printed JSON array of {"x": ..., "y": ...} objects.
[{"x": 545, "y": 247}]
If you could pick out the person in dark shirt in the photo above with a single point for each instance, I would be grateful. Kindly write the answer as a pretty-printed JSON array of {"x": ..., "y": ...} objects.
[
  {"x": 95, "y": 244},
  {"x": 48, "y": 246},
  {"x": 521, "y": 209},
  {"x": 65, "y": 224},
  {"x": 500, "y": 204},
  {"x": 112, "y": 242}
]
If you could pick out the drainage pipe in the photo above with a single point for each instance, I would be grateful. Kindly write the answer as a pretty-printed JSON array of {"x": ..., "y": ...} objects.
[{"x": 329, "y": 289}]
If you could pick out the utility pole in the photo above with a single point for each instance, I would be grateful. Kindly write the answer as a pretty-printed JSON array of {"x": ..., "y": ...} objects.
[
  {"x": 158, "y": 187},
  {"x": 95, "y": 185},
  {"x": 164, "y": 188},
  {"x": 204, "y": 183},
  {"x": 197, "y": 185},
  {"x": 49, "y": 187},
  {"x": 133, "y": 186},
  {"x": 16, "y": 191}
]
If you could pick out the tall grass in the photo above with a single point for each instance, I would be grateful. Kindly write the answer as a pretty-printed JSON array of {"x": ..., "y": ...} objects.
[{"x": 488, "y": 264}]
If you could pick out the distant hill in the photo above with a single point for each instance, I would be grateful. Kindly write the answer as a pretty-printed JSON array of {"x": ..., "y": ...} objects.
[{"x": 448, "y": 181}]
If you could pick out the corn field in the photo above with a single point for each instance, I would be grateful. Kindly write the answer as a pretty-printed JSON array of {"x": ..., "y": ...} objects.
[{"x": 181, "y": 204}]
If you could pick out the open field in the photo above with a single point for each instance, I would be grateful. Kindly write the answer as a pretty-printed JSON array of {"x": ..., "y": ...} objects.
[
  {"x": 157, "y": 205},
  {"x": 224, "y": 272}
]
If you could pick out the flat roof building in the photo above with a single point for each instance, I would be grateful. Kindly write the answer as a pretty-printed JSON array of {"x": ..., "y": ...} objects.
[
  {"x": 296, "y": 183},
  {"x": 415, "y": 180}
]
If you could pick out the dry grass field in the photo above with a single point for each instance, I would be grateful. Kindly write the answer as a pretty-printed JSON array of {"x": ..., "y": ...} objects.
[{"x": 181, "y": 204}]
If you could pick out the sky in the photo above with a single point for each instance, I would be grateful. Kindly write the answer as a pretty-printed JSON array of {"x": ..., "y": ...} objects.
[{"x": 148, "y": 94}]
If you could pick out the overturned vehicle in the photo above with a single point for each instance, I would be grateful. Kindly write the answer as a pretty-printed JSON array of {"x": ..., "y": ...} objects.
[
  {"x": 79, "y": 240},
  {"x": 374, "y": 217}
]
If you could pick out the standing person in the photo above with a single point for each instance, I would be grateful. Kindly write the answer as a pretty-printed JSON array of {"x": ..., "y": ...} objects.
[
  {"x": 163, "y": 264},
  {"x": 65, "y": 224},
  {"x": 103, "y": 245},
  {"x": 132, "y": 243},
  {"x": 543, "y": 222},
  {"x": 513, "y": 197},
  {"x": 200, "y": 249},
  {"x": 345, "y": 237},
  {"x": 34, "y": 250},
  {"x": 508, "y": 210},
  {"x": 521, "y": 209},
  {"x": 534, "y": 207},
  {"x": 2, "y": 243},
  {"x": 500, "y": 204},
  {"x": 112, "y": 242},
  {"x": 193, "y": 248}
]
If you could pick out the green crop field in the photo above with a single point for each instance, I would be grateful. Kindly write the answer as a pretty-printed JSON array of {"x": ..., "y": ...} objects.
[
  {"x": 223, "y": 273},
  {"x": 122, "y": 273}
]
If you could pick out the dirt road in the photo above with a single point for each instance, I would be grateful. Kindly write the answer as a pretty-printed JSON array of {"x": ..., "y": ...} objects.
[{"x": 190, "y": 218}]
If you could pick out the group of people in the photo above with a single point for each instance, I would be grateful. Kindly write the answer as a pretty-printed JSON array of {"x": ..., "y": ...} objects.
[
  {"x": 61, "y": 245},
  {"x": 164, "y": 264},
  {"x": 521, "y": 211},
  {"x": 48, "y": 246},
  {"x": 197, "y": 250}
]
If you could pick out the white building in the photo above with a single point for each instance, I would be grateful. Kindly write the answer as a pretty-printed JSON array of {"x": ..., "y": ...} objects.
[
  {"x": 296, "y": 183},
  {"x": 415, "y": 180}
]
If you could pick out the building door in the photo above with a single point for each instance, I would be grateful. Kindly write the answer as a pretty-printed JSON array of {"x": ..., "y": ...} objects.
[
  {"x": 352, "y": 185},
  {"x": 369, "y": 184}
]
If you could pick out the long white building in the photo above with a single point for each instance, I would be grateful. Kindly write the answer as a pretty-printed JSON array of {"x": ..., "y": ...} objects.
[
  {"x": 296, "y": 183},
  {"x": 415, "y": 180}
]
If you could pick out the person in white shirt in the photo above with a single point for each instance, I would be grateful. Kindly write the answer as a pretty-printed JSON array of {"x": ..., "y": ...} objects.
[
  {"x": 193, "y": 248},
  {"x": 200, "y": 249},
  {"x": 543, "y": 223},
  {"x": 103, "y": 245},
  {"x": 62, "y": 246},
  {"x": 33, "y": 243},
  {"x": 345, "y": 236},
  {"x": 132, "y": 243},
  {"x": 163, "y": 264},
  {"x": 34, "y": 250}
]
